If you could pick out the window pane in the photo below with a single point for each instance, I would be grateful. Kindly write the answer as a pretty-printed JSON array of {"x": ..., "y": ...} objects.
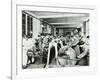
[
  {"x": 29, "y": 27},
  {"x": 23, "y": 24}
]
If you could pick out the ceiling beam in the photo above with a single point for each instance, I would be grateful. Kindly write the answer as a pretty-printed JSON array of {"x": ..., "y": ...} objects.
[
  {"x": 67, "y": 23},
  {"x": 64, "y": 15}
]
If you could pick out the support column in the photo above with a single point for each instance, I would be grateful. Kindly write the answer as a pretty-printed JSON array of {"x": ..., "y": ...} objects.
[
  {"x": 84, "y": 27},
  {"x": 54, "y": 31},
  {"x": 87, "y": 28}
]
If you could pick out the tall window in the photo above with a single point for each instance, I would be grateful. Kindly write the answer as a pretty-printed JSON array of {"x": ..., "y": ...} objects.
[
  {"x": 27, "y": 25},
  {"x": 23, "y": 24}
]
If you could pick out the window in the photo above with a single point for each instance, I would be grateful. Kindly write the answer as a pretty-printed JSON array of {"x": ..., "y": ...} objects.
[
  {"x": 23, "y": 24},
  {"x": 27, "y": 25}
]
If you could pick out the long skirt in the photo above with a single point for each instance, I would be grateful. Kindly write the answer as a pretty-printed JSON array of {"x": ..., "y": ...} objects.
[
  {"x": 52, "y": 54},
  {"x": 24, "y": 57}
]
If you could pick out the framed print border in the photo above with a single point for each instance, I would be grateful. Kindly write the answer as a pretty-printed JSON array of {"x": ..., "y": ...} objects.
[{"x": 16, "y": 71}]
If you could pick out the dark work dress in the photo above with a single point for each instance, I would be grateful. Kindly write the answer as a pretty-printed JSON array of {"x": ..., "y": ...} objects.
[
  {"x": 85, "y": 60},
  {"x": 44, "y": 58},
  {"x": 52, "y": 54},
  {"x": 58, "y": 46}
]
